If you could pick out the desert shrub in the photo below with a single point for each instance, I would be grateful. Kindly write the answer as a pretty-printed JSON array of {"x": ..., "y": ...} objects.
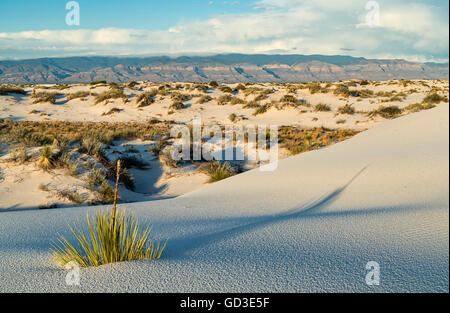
[
  {"x": 214, "y": 84},
  {"x": 218, "y": 171},
  {"x": 43, "y": 187},
  {"x": 112, "y": 111},
  {"x": 222, "y": 100},
  {"x": 298, "y": 139},
  {"x": 105, "y": 193},
  {"x": 341, "y": 90},
  {"x": 240, "y": 87},
  {"x": 112, "y": 237},
  {"x": 132, "y": 84},
  {"x": 177, "y": 105},
  {"x": 98, "y": 82},
  {"x": 386, "y": 112},
  {"x": 226, "y": 89},
  {"x": 204, "y": 99},
  {"x": 232, "y": 117},
  {"x": 72, "y": 196},
  {"x": 252, "y": 90},
  {"x": 322, "y": 107},
  {"x": 66, "y": 162},
  {"x": 42, "y": 97},
  {"x": 251, "y": 105},
  {"x": 363, "y": 93},
  {"x": 5, "y": 90},
  {"x": 126, "y": 177},
  {"x": 290, "y": 99},
  {"x": 147, "y": 98},
  {"x": 346, "y": 109},
  {"x": 95, "y": 178},
  {"x": 434, "y": 98},
  {"x": 19, "y": 154},
  {"x": 260, "y": 97},
  {"x": 416, "y": 107},
  {"x": 177, "y": 96},
  {"x": 77, "y": 95},
  {"x": 114, "y": 93},
  {"x": 131, "y": 161},
  {"x": 236, "y": 100},
  {"x": 262, "y": 109},
  {"x": 341, "y": 121},
  {"x": 91, "y": 146}
]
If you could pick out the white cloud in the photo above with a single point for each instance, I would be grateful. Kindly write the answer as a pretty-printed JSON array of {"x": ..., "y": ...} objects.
[{"x": 413, "y": 31}]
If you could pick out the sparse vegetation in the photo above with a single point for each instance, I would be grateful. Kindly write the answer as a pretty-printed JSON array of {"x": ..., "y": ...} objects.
[
  {"x": 77, "y": 95},
  {"x": 322, "y": 107},
  {"x": 43, "y": 97},
  {"x": 346, "y": 109},
  {"x": 218, "y": 171},
  {"x": 386, "y": 112},
  {"x": 114, "y": 93},
  {"x": 6, "y": 90}
]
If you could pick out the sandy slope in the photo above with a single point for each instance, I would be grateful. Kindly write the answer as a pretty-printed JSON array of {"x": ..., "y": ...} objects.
[{"x": 312, "y": 225}]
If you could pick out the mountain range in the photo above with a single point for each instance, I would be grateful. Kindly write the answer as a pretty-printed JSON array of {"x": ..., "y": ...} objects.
[{"x": 229, "y": 68}]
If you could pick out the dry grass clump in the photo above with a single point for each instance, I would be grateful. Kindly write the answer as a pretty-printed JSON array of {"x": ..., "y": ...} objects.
[
  {"x": 112, "y": 111},
  {"x": 177, "y": 96},
  {"x": 6, "y": 90},
  {"x": 177, "y": 105},
  {"x": 262, "y": 109},
  {"x": 72, "y": 196},
  {"x": 346, "y": 109},
  {"x": 298, "y": 140},
  {"x": 43, "y": 97},
  {"x": 434, "y": 98},
  {"x": 19, "y": 154},
  {"x": 106, "y": 193},
  {"x": 236, "y": 100},
  {"x": 416, "y": 107},
  {"x": 226, "y": 89},
  {"x": 217, "y": 171},
  {"x": 322, "y": 107},
  {"x": 78, "y": 95},
  {"x": 341, "y": 90},
  {"x": 224, "y": 99},
  {"x": 204, "y": 99},
  {"x": 114, "y": 93},
  {"x": 386, "y": 112},
  {"x": 316, "y": 87},
  {"x": 98, "y": 82}
]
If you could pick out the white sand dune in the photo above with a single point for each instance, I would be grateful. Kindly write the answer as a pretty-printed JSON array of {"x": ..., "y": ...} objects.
[{"x": 310, "y": 226}]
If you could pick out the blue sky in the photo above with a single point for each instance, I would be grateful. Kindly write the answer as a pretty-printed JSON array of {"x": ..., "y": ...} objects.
[
  {"x": 138, "y": 14},
  {"x": 414, "y": 30}
]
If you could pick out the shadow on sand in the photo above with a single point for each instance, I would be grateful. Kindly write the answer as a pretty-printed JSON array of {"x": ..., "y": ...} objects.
[{"x": 188, "y": 246}]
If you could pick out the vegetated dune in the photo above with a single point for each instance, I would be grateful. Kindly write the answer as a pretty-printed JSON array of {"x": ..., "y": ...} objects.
[{"x": 310, "y": 226}]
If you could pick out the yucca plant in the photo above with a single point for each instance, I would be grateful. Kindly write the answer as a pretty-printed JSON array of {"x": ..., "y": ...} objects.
[
  {"x": 46, "y": 159},
  {"x": 114, "y": 236}
]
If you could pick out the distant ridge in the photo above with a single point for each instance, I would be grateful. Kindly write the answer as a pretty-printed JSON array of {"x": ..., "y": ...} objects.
[{"x": 230, "y": 68}]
